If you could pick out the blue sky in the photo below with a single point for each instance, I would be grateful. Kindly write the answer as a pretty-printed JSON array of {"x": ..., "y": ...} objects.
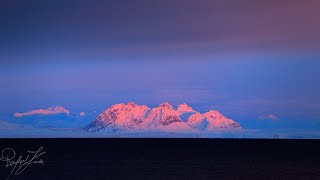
[
  {"x": 245, "y": 59},
  {"x": 242, "y": 87}
]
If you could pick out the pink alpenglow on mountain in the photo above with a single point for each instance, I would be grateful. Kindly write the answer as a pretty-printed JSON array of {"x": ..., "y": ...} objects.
[
  {"x": 184, "y": 108},
  {"x": 198, "y": 121},
  {"x": 162, "y": 115},
  {"x": 122, "y": 117},
  {"x": 216, "y": 120},
  {"x": 49, "y": 111}
]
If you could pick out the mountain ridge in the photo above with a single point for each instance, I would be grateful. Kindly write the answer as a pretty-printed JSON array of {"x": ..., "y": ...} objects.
[{"x": 124, "y": 117}]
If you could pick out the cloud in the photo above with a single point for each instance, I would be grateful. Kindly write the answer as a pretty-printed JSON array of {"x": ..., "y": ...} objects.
[
  {"x": 82, "y": 113},
  {"x": 51, "y": 110},
  {"x": 269, "y": 117}
]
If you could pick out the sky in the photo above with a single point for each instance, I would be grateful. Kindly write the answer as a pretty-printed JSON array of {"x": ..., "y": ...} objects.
[{"x": 255, "y": 61}]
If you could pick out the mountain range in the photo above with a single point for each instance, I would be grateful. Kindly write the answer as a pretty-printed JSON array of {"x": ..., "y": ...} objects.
[{"x": 123, "y": 117}]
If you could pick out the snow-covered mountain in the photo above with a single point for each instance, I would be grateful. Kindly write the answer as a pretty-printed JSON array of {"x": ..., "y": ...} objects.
[
  {"x": 122, "y": 117},
  {"x": 211, "y": 120}
]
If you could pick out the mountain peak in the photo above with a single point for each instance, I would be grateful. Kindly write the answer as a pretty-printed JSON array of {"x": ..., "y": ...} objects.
[
  {"x": 211, "y": 111},
  {"x": 117, "y": 106},
  {"x": 131, "y": 104},
  {"x": 213, "y": 114},
  {"x": 166, "y": 105},
  {"x": 185, "y": 108}
]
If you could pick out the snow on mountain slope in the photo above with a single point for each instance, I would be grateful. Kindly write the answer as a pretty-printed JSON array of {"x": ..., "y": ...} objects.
[
  {"x": 184, "y": 108},
  {"x": 50, "y": 110},
  {"x": 175, "y": 127},
  {"x": 217, "y": 120},
  {"x": 185, "y": 111},
  {"x": 198, "y": 121},
  {"x": 121, "y": 117},
  {"x": 211, "y": 120},
  {"x": 164, "y": 115}
]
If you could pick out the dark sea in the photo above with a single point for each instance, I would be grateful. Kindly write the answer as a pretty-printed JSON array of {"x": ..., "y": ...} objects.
[{"x": 130, "y": 158}]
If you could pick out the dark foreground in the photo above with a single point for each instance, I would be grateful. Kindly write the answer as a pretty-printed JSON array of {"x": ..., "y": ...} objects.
[{"x": 163, "y": 159}]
